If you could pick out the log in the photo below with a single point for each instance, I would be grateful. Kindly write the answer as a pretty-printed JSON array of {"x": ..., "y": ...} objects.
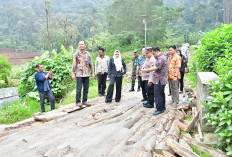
[
  {"x": 174, "y": 131},
  {"x": 187, "y": 122},
  {"x": 180, "y": 150},
  {"x": 194, "y": 120},
  {"x": 45, "y": 117},
  {"x": 202, "y": 147},
  {"x": 134, "y": 119},
  {"x": 108, "y": 117},
  {"x": 185, "y": 144},
  {"x": 159, "y": 155},
  {"x": 140, "y": 133},
  {"x": 167, "y": 154},
  {"x": 182, "y": 126},
  {"x": 185, "y": 107},
  {"x": 199, "y": 131}
]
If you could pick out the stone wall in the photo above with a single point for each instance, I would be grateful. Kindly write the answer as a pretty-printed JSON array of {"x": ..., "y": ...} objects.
[
  {"x": 203, "y": 88},
  {"x": 8, "y": 95}
]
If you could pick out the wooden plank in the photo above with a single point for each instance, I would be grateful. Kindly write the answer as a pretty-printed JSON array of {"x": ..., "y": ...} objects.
[
  {"x": 179, "y": 149},
  {"x": 202, "y": 147}
]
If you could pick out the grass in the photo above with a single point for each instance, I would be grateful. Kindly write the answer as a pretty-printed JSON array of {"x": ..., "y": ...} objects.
[
  {"x": 200, "y": 153},
  {"x": 192, "y": 75},
  {"x": 26, "y": 107},
  {"x": 189, "y": 118}
]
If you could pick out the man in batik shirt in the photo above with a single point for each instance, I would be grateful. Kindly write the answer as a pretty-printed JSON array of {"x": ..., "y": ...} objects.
[
  {"x": 174, "y": 65},
  {"x": 82, "y": 65}
]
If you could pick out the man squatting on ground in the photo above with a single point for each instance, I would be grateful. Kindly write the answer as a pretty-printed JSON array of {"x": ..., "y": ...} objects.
[{"x": 44, "y": 86}]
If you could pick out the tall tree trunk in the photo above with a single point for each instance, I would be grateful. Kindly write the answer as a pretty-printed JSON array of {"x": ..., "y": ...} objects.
[
  {"x": 226, "y": 7},
  {"x": 94, "y": 19},
  {"x": 47, "y": 11}
]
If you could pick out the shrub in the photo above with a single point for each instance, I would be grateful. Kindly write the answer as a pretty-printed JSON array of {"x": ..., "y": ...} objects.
[
  {"x": 5, "y": 69},
  {"x": 61, "y": 66},
  {"x": 219, "y": 113},
  {"x": 213, "y": 45}
]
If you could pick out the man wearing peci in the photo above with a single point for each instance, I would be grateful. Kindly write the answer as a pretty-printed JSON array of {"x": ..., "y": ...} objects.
[
  {"x": 82, "y": 66},
  {"x": 101, "y": 70}
]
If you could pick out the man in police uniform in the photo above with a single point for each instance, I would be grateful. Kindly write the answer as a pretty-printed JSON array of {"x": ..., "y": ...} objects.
[{"x": 134, "y": 69}]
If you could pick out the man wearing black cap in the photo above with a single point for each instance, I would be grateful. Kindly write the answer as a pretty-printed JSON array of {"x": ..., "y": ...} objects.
[{"x": 134, "y": 69}]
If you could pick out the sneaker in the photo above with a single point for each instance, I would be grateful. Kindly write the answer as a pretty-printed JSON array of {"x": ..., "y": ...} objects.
[
  {"x": 181, "y": 92},
  {"x": 86, "y": 103},
  {"x": 138, "y": 90}
]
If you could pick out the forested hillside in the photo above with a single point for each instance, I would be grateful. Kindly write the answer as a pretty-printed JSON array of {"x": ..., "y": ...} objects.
[{"x": 47, "y": 24}]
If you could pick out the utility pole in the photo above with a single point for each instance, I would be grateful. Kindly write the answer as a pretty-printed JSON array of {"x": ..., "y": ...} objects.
[
  {"x": 226, "y": 9},
  {"x": 145, "y": 26},
  {"x": 93, "y": 34}
]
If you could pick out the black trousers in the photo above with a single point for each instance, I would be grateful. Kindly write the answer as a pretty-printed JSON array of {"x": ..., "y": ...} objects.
[
  {"x": 159, "y": 96},
  {"x": 110, "y": 91},
  {"x": 181, "y": 81},
  {"x": 101, "y": 83},
  {"x": 51, "y": 99},
  {"x": 150, "y": 94},
  {"x": 144, "y": 88},
  {"x": 85, "y": 82}
]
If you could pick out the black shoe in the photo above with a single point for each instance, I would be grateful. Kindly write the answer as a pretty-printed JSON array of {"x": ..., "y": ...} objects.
[
  {"x": 107, "y": 101},
  {"x": 138, "y": 90},
  {"x": 132, "y": 90},
  {"x": 148, "y": 105},
  {"x": 117, "y": 101},
  {"x": 143, "y": 100},
  {"x": 157, "y": 112},
  {"x": 169, "y": 94}
]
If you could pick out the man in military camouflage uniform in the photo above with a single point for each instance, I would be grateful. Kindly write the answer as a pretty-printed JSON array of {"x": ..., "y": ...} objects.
[{"x": 134, "y": 69}]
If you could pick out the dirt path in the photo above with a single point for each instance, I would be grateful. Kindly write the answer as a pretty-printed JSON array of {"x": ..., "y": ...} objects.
[{"x": 116, "y": 129}]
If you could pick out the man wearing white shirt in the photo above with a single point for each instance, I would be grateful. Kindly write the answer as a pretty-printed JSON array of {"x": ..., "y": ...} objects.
[{"x": 101, "y": 70}]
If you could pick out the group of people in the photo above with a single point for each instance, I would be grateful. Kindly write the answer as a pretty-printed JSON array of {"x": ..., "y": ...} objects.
[{"x": 153, "y": 70}]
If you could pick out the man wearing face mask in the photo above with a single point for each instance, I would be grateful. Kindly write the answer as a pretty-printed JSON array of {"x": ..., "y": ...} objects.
[{"x": 82, "y": 66}]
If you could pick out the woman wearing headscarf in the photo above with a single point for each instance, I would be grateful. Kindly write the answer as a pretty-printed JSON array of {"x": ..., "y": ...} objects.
[
  {"x": 116, "y": 69},
  {"x": 182, "y": 69}
]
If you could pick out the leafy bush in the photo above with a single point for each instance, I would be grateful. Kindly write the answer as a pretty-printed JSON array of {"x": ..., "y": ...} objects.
[
  {"x": 219, "y": 113},
  {"x": 213, "y": 46},
  {"x": 5, "y": 69},
  {"x": 61, "y": 66},
  {"x": 123, "y": 41}
]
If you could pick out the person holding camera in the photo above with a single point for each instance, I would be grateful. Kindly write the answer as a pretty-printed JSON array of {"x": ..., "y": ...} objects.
[{"x": 44, "y": 86}]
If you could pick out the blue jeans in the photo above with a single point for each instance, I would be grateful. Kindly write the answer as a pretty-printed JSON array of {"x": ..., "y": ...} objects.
[{"x": 51, "y": 99}]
